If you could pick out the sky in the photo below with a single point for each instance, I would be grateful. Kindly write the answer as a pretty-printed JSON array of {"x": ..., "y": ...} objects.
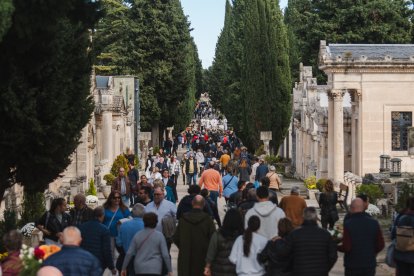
[{"x": 207, "y": 19}]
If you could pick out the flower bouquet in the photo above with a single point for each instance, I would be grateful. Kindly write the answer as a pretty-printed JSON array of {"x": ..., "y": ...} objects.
[
  {"x": 336, "y": 233},
  {"x": 32, "y": 258},
  {"x": 373, "y": 210}
]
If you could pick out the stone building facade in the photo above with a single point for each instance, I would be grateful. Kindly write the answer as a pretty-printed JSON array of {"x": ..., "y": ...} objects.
[{"x": 364, "y": 111}]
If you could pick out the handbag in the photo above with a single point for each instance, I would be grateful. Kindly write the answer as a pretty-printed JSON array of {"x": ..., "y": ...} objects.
[
  {"x": 405, "y": 238},
  {"x": 389, "y": 258}
]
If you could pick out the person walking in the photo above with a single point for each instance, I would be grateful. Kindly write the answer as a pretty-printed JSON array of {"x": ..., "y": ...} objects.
[
  {"x": 81, "y": 212},
  {"x": 72, "y": 260},
  {"x": 245, "y": 249},
  {"x": 275, "y": 182},
  {"x": 327, "y": 201},
  {"x": 54, "y": 221},
  {"x": 362, "y": 240},
  {"x": 311, "y": 248},
  {"x": 211, "y": 180},
  {"x": 293, "y": 206},
  {"x": 277, "y": 264},
  {"x": 191, "y": 170},
  {"x": 170, "y": 187},
  {"x": 115, "y": 210},
  {"x": 261, "y": 170},
  {"x": 96, "y": 239},
  {"x": 221, "y": 243},
  {"x": 123, "y": 186},
  {"x": 244, "y": 170},
  {"x": 229, "y": 185},
  {"x": 162, "y": 208},
  {"x": 174, "y": 169},
  {"x": 268, "y": 213},
  {"x": 150, "y": 250},
  {"x": 405, "y": 259},
  {"x": 192, "y": 237}
]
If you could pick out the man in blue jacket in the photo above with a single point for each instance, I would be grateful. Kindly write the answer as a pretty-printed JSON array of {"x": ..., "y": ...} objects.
[
  {"x": 96, "y": 239},
  {"x": 72, "y": 260}
]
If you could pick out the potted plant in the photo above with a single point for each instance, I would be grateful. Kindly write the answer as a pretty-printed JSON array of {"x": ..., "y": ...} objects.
[
  {"x": 311, "y": 188},
  {"x": 109, "y": 178}
]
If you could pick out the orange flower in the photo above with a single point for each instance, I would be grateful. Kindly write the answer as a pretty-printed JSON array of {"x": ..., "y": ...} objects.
[{"x": 49, "y": 249}]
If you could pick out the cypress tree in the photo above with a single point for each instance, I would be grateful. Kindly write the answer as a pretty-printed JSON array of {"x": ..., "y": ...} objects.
[{"x": 45, "y": 89}]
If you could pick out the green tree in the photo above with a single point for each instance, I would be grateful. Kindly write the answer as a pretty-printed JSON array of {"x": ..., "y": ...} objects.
[
  {"x": 348, "y": 21},
  {"x": 111, "y": 39},
  {"x": 266, "y": 83},
  {"x": 45, "y": 89},
  {"x": 6, "y": 11}
]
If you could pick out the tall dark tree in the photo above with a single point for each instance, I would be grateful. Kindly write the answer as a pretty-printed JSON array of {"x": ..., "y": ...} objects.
[
  {"x": 6, "y": 11},
  {"x": 111, "y": 39},
  {"x": 348, "y": 21},
  {"x": 160, "y": 36},
  {"x": 266, "y": 83},
  {"x": 45, "y": 89}
]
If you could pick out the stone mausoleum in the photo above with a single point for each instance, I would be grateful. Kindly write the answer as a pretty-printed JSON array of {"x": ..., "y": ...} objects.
[{"x": 365, "y": 111}]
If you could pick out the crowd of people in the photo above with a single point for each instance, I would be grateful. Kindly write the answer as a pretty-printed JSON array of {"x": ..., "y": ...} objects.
[{"x": 263, "y": 232}]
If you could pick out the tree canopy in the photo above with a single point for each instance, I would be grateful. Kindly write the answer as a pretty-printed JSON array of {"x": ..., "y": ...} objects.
[
  {"x": 250, "y": 76},
  {"x": 45, "y": 89}
]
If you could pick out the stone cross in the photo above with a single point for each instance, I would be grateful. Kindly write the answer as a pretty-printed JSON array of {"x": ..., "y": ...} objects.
[{"x": 266, "y": 136}]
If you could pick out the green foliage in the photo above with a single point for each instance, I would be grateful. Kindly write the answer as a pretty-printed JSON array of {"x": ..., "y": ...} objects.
[
  {"x": 320, "y": 184},
  {"x": 6, "y": 11},
  {"x": 109, "y": 178},
  {"x": 9, "y": 223},
  {"x": 260, "y": 151},
  {"x": 92, "y": 188},
  {"x": 373, "y": 191},
  {"x": 119, "y": 162},
  {"x": 155, "y": 150},
  {"x": 406, "y": 190},
  {"x": 348, "y": 21},
  {"x": 272, "y": 159},
  {"x": 250, "y": 75},
  {"x": 45, "y": 89},
  {"x": 310, "y": 182},
  {"x": 33, "y": 207}
]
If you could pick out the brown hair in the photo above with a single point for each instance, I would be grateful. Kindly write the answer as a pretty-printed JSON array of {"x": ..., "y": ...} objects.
[
  {"x": 329, "y": 187},
  {"x": 284, "y": 227},
  {"x": 111, "y": 196}
]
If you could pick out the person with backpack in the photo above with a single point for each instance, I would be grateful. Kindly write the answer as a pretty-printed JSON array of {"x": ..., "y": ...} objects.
[
  {"x": 404, "y": 248},
  {"x": 229, "y": 185}
]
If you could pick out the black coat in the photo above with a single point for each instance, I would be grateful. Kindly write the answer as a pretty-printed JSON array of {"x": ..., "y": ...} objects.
[
  {"x": 312, "y": 250},
  {"x": 276, "y": 263}
]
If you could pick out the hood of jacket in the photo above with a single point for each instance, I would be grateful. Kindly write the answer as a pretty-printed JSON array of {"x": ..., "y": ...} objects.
[
  {"x": 265, "y": 208},
  {"x": 195, "y": 216}
]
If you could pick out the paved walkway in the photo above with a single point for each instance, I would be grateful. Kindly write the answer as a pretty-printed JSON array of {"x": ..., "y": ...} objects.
[{"x": 338, "y": 269}]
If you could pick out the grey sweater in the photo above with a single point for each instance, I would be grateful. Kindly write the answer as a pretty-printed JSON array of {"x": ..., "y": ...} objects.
[{"x": 150, "y": 250}]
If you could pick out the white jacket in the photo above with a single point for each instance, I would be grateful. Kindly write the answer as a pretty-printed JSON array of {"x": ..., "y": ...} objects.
[
  {"x": 269, "y": 215},
  {"x": 248, "y": 266}
]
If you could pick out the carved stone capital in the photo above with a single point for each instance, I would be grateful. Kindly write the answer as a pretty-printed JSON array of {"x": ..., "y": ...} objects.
[
  {"x": 356, "y": 95},
  {"x": 336, "y": 94}
]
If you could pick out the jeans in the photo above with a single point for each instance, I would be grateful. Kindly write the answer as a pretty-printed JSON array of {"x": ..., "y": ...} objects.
[
  {"x": 214, "y": 195},
  {"x": 188, "y": 146},
  {"x": 191, "y": 177}
]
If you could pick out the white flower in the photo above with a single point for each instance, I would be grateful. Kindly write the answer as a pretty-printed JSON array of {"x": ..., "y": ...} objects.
[
  {"x": 373, "y": 210},
  {"x": 31, "y": 251},
  {"x": 339, "y": 236},
  {"x": 24, "y": 247}
]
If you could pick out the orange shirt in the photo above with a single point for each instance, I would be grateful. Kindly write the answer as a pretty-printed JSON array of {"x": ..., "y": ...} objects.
[
  {"x": 224, "y": 159},
  {"x": 211, "y": 180}
]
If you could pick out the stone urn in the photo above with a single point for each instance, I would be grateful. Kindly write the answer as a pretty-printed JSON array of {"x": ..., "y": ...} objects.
[{"x": 106, "y": 190}]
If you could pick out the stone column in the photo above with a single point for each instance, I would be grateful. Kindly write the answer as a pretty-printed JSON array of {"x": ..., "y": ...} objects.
[
  {"x": 145, "y": 137},
  {"x": 330, "y": 154},
  {"x": 266, "y": 136},
  {"x": 355, "y": 131},
  {"x": 338, "y": 139},
  {"x": 107, "y": 136}
]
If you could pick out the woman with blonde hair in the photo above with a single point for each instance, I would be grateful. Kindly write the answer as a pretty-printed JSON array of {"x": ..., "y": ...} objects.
[{"x": 327, "y": 201}]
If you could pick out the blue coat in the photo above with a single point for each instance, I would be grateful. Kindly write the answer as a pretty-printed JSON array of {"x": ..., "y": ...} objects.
[
  {"x": 74, "y": 261},
  {"x": 96, "y": 240}
]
